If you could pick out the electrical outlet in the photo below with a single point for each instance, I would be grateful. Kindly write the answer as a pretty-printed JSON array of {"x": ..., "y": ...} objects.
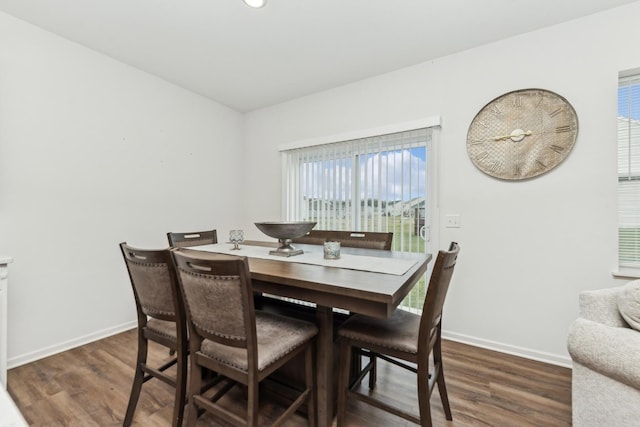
[{"x": 452, "y": 221}]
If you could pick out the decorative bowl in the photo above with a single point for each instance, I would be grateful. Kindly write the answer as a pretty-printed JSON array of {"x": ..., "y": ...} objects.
[{"x": 285, "y": 231}]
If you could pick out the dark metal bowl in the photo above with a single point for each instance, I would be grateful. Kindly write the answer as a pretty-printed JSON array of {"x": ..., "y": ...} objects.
[{"x": 285, "y": 231}]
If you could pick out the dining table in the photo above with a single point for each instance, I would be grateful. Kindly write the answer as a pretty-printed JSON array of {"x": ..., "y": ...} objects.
[{"x": 371, "y": 282}]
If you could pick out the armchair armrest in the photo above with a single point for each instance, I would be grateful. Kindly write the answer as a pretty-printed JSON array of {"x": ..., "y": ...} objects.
[
  {"x": 610, "y": 351},
  {"x": 601, "y": 306}
]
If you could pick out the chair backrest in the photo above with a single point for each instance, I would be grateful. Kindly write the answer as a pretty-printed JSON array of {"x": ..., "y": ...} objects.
[
  {"x": 154, "y": 283},
  {"x": 218, "y": 297},
  {"x": 349, "y": 239},
  {"x": 436, "y": 293},
  {"x": 194, "y": 238}
]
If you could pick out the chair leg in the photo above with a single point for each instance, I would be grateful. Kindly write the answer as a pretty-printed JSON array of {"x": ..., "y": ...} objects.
[
  {"x": 138, "y": 379},
  {"x": 252, "y": 403},
  {"x": 424, "y": 394},
  {"x": 195, "y": 385},
  {"x": 343, "y": 380},
  {"x": 309, "y": 383},
  {"x": 373, "y": 373},
  {"x": 181, "y": 388},
  {"x": 442, "y": 387}
]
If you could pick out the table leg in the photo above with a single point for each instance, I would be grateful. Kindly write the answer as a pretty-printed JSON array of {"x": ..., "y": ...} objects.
[{"x": 324, "y": 365}]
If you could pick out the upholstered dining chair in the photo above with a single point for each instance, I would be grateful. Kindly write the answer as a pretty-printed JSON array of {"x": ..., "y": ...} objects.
[
  {"x": 161, "y": 318},
  {"x": 230, "y": 337},
  {"x": 405, "y": 337},
  {"x": 194, "y": 238},
  {"x": 349, "y": 239}
]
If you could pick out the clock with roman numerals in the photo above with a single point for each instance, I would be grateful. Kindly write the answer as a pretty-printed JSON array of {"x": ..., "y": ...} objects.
[{"x": 522, "y": 134}]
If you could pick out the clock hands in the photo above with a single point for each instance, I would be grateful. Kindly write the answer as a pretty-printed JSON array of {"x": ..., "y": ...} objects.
[{"x": 515, "y": 136}]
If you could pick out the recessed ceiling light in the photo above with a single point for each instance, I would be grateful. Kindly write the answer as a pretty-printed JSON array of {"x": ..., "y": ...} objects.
[{"x": 255, "y": 3}]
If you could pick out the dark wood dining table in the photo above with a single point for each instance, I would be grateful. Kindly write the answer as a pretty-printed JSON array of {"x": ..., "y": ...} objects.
[{"x": 364, "y": 292}]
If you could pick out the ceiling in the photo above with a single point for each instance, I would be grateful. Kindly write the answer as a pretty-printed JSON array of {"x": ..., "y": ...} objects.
[{"x": 251, "y": 58}]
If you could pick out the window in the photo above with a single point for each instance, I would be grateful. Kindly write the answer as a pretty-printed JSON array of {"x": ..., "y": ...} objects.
[
  {"x": 377, "y": 183},
  {"x": 629, "y": 171}
]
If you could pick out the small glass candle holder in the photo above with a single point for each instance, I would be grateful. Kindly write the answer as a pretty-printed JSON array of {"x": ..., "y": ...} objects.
[
  {"x": 236, "y": 237},
  {"x": 331, "y": 250}
]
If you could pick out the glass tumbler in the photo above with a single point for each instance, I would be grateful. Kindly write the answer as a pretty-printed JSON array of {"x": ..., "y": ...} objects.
[
  {"x": 331, "y": 250},
  {"x": 236, "y": 237}
]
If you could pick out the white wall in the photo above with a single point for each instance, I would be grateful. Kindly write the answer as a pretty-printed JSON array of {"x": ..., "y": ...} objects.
[
  {"x": 528, "y": 248},
  {"x": 81, "y": 135},
  {"x": 92, "y": 153}
]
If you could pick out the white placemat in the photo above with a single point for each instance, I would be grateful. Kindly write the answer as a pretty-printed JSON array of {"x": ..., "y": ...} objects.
[{"x": 314, "y": 256}]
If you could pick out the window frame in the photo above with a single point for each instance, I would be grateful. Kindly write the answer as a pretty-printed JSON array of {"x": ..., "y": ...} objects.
[
  {"x": 432, "y": 122},
  {"x": 627, "y": 172}
]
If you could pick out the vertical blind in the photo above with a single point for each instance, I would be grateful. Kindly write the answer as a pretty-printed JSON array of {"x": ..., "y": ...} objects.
[
  {"x": 377, "y": 183},
  {"x": 629, "y": 171}
]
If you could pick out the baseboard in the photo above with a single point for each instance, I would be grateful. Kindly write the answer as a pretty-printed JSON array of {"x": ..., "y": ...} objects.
[
  {"x": 67, "y": 345},
  {"x": 553, "y": 359}
]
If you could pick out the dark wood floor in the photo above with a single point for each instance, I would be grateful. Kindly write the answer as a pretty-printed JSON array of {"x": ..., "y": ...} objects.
[{"x": 89, "y": 386}]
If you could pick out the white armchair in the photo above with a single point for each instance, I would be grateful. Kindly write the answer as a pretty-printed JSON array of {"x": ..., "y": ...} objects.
[{"x": 606, "y": 362}]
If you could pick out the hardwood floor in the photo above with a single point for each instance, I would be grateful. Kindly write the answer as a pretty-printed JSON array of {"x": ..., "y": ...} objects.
[{"x": 89, "y": 386}]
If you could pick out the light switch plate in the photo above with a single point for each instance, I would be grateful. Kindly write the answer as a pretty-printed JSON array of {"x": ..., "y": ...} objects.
[{"x": 452, "y": 221}]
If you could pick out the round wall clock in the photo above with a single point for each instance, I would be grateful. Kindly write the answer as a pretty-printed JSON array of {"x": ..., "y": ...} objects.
[{"x": 522, "y": 134}]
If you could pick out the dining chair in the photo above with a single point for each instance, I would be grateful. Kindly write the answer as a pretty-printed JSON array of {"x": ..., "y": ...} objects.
[
  {"x": 349, "y": 239},
  {"x": 161, "y": 319},
  {"x": 194, "y": 238},
  {"x": 405, "y": 337},
  {"x": 230, "y": 337}
]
